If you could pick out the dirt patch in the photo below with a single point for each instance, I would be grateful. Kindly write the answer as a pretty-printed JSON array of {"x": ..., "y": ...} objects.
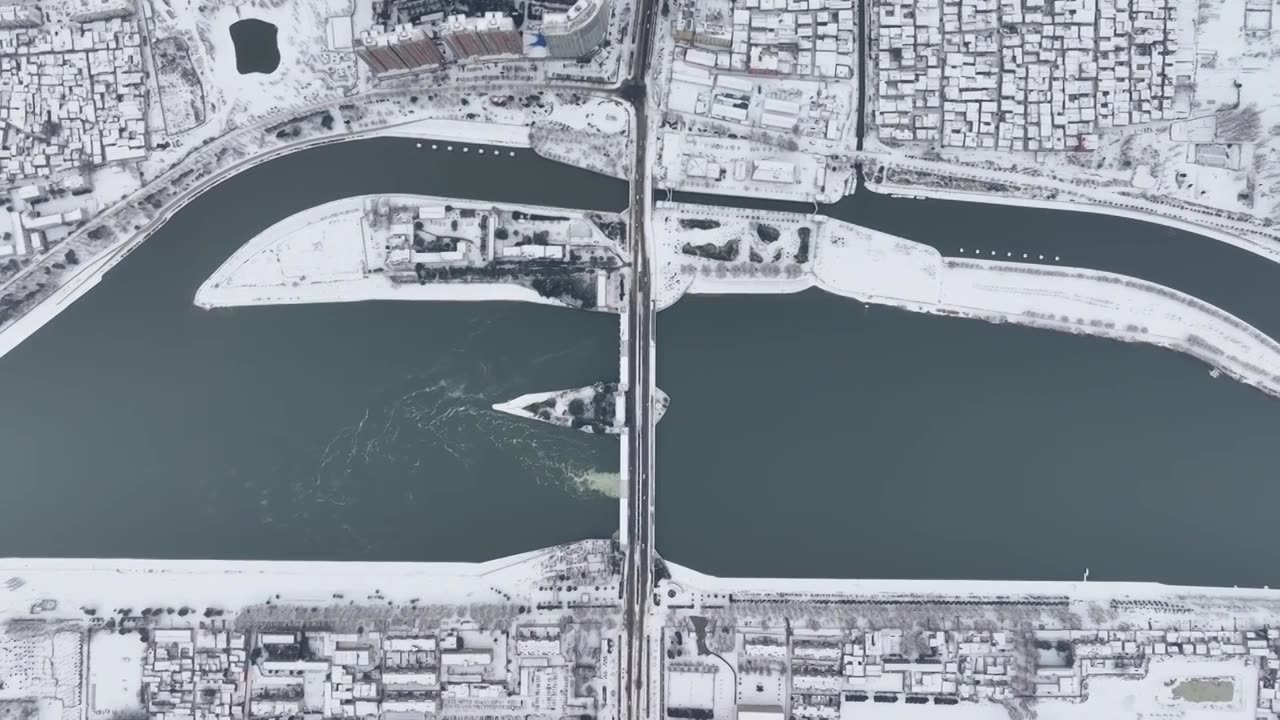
[{"x": 1205, "y": 690}]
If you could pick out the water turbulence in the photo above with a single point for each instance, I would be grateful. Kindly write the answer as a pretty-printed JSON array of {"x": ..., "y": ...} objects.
[{"x": 434, "y": 428}]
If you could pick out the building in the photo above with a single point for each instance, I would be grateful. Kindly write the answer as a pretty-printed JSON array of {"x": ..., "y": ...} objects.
[
  {"x": 375, "y": 50},
  {"x": 90, "y": 10},
  {"x": 490, "y": 34},
  {"x": 401, "y": 48},
  {"x": 948, "y": 72},
  {"x": 577, "y": 32},
  {"x": 14, "y": 16},
  {"x": 467, "y": 658},
  {"x": 415, "y": 48}
]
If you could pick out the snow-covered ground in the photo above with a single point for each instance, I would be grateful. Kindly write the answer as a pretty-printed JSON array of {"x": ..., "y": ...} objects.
[
  {"x": 874, "y": 267},
  {"x": 115, "y": 685},
  {"x": 688, "y": 582},
  {"x": 73, "y": 584},
  {"x": 468, "y": 131}
]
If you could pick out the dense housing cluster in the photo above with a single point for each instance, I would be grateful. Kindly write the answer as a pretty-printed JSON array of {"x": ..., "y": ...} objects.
[
  {"x": 1028, "y": 74},
  {"x": 828, "y": 674},
  {"x": 195, "y": 674},
  {"x": 72, "y": 96}
]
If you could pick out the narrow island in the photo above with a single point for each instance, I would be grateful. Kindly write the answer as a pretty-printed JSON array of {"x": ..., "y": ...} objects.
[
  {"x": 598, "y": 408},
  {"x": 410, "y": 247}
]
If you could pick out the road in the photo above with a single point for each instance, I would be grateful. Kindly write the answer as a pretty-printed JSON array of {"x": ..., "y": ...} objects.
[{"x": 638, "y": 572}]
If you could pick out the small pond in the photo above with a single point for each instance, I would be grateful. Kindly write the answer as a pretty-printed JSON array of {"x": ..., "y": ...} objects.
[{"x": 256, "y": 48}]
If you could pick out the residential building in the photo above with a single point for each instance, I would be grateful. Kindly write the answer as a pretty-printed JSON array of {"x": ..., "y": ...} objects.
[
  {"x": 490, "y": 34},
  {"x": 398, "y": 49},
  {"x": 578, "y": 31}
]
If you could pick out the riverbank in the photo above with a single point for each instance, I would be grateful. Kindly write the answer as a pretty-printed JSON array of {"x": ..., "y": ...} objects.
[
  {"x": 720, "y": 250},
  {"x": 923, "y": 590},
  {"x": 74, "y": 584},
  {"x": 1268, "y": 251},
  {"x": 926, "y": 178}
]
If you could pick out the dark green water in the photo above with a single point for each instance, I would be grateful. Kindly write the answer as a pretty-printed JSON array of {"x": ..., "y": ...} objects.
[
  {"x": 257, "y": 49},
  {"x": 135, "y": 424},
  {"x": 807, "y": 435}
]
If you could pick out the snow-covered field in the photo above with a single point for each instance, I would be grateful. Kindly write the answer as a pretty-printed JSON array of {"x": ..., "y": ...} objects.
[
  {"x": 115, "y": 684},
  {"x": 878, "y": 268},
  {"x": 80, "y": 583},
  {"x": 469, "y": 131},
  {"x": 1108, "y": 697},
  {"x": 1154, "y": 695}
]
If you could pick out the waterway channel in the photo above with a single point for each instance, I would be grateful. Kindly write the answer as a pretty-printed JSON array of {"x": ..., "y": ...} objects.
[{"x": 807, "y": 435}]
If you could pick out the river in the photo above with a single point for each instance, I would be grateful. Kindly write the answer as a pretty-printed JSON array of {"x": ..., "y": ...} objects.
[
  {"x": 807, "y": 435},
  {"x": 136, "y": 424}
]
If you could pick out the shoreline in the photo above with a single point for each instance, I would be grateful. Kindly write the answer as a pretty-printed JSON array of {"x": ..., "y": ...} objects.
[
  {"x": 965, "y": 589},
  {"x": 1083, "y": 206},
  {"x": 404, "y": 576}
]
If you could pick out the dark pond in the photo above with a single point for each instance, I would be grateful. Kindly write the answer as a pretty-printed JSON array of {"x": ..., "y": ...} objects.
[{"x": 256, "y": 48}]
